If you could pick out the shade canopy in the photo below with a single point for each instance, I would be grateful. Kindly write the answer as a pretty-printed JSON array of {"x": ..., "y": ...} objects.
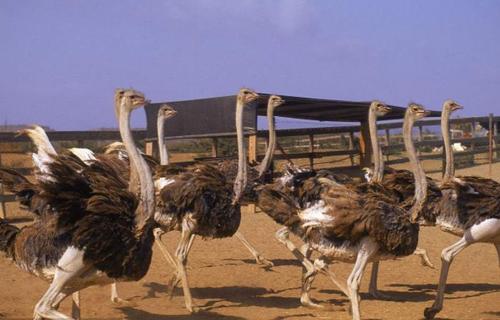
[{"x": 215, "y": 116}]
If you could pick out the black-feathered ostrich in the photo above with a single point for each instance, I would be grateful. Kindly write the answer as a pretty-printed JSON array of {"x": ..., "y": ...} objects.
[
  {"x": 255, "y": 173},
  {"x": 204, "y": 201},
  {"x": 469, "y": 208},
  {"x": 392, "y": 183},
  {"x": 93, "y": 230},
  {"x": 345, "y": 224}
]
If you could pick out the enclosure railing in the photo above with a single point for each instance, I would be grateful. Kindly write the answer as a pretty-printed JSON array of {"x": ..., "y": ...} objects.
[{"x": 354, "y": 146}]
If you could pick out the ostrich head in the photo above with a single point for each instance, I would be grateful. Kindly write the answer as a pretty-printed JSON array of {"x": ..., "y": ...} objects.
[
  {"x": 451, "y": 105},
  {"x": 275, "y": 101},
  {"x": 416, "y": 112},
  {"x": 246, "y": 95},
  {"x": 166, "y": 111},
  {"x": 128, "y": 98},
  {"x": 380, "y": 109}
]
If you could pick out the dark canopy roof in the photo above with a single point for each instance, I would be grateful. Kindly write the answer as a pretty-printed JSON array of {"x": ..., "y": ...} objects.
[
  {"x": 328, "y": 110},
  {"x": 215, "y": 116}
]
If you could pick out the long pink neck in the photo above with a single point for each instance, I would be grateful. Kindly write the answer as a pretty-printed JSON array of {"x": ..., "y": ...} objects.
[
  {"x": 271, "y": 147},
  {"x": 378, "y": 167},
  {"x": 445, "y": 130},
  {"x": 162, "y": 146},
  {"x": 137, "y": 163},
  {"x": 416, "y": 167},
  {"x": 241, "y": 178}
]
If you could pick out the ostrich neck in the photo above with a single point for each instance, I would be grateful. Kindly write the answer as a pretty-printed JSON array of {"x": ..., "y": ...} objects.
[
  {"x": 266, "y": 162},
  {"x": 416, "y": 167},
  {"x": 162, "y": 146},
  {"x": 241, "y": 177},
  {"x": 445, "y": 129},
  {"x": 146, "y": 210},
  {"x": 378, "y": 170}
]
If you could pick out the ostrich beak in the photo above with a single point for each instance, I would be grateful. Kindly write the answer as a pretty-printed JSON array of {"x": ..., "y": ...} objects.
[
  {"x": 386, "y": 109},
  {"x": 456, "y": 107}
]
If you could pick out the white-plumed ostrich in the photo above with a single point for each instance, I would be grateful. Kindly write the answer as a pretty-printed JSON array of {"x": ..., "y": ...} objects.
[
  {"x": 469, "y": 208},
  {"x": 93, "y": 231}
]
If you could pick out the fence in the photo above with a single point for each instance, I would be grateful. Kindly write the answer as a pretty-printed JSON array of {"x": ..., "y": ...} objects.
[{"x": 349, "y": 142}]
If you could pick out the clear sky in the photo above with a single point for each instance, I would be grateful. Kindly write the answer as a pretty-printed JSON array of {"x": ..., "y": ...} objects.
[{"x": 61, "y": 60}]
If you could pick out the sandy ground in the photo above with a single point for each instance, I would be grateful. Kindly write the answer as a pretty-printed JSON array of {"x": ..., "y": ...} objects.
[{"x": 227, "y": 284}]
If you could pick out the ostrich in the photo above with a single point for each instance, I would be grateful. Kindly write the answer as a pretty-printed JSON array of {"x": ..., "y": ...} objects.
[
  {"x": 346, "y": 224},
  {"x": 230, "y": 167},
  {"x": 469, "y": 208},
  {"x": 202, "y": 201},
  {"x": 377, "y": 177},
  {"x": 89, "y": 214}
]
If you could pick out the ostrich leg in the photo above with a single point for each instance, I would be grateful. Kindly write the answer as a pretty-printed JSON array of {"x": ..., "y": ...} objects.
[
  {"x": 424, "y": 258},
  {"x": 367, "y": 250},
  {"x": 70, "y": 266},
  {"x": 486, "y": 231},
  {"x": 446, "y": 258},
  {"x": 282, "y": 235},
  {"x": 181, "y": 255},
  {"x": 163, "y": 249},
  {"x": 259, "y": 259},
  {"x": 75, "y": 305},
  {"x": 497, "y": 245}
]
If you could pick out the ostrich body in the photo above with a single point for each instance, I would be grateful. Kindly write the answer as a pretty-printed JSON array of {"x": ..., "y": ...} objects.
[
  {"x": 392, "y": 184},
  {"x": 469, "y": 208},
  {"x": 203, "y": 201},
  {"x": 347, "y": 225},
  {"x": 166, "y": 173},
  {"x": 93, "y": 231}
]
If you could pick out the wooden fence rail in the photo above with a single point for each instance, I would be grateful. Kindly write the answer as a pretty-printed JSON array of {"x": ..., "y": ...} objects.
[{"x": 355, "y": 142}]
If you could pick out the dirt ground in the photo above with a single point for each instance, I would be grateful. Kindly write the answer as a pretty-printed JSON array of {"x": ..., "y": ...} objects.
[{"x": 227, "y": 284}]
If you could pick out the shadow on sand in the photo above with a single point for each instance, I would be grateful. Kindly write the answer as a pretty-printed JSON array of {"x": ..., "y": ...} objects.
[
  {"x": 134, "y": 314},
  {"x": 478, "y": 289}
]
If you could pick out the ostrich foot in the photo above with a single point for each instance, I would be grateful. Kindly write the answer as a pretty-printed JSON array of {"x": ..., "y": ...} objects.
[
  {"x": 123, "y": 302},
  {"x": 172, "y": 284},
  {"x": 260, "y": 260},
  {"x": 424, "y": 258},
  {"x": 430, "y": 313},
  {"x": 310, "y": 304},
  {"x": 51, "y": 314},
  {"x": 381, "y": 296}
]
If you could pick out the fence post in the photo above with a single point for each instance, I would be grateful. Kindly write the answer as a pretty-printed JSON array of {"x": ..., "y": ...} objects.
[
  {"x": 4, "y": 209},
  {"x": 473, "y": 144},
  {"x": 490, "y": 143},
  {"x": 252, "y": 157},
  {"x": 148, "y": 148},
  {"x": 311, "y": 151},
  {"x": 351, "y": 146},
  {"x": 215, "y": 151},
  {"x": 365, "y": 149},
  {"x": 252, "y": 148},
  {"x": 388, "y": 143},
  {"x": 495, "y": 131}
]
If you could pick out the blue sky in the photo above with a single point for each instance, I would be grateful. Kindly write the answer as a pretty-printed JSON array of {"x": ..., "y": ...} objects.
[{"x": 61, "y": 60}]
